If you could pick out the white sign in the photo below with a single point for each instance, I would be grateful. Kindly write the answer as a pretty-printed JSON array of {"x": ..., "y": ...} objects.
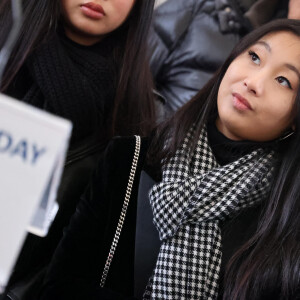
[{"x": 33, "y": 144}]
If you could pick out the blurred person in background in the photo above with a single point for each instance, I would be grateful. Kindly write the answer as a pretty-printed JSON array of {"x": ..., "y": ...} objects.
[
  {"x": 86, "y": 62},
  {"x": 294, "y": 9}
]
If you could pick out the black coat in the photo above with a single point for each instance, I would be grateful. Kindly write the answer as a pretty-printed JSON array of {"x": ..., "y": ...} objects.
[{"x": 89, "y": 236}]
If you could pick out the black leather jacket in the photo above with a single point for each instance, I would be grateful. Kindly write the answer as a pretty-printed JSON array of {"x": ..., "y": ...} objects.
[{"x": 190, "y": 39}]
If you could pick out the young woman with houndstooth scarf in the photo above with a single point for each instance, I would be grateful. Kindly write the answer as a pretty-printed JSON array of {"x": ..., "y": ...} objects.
[{"x": 226, "y": 202}]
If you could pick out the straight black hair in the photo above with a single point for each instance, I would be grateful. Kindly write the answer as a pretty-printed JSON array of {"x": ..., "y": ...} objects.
[
  {"x": 270, "y": 260},
  {"x": 133, "y": 111}
]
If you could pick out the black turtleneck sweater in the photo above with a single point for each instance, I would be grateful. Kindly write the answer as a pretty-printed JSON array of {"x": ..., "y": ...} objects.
[
  {"x": 70, "y": 80},
  {"x": 226, "y": 150}
]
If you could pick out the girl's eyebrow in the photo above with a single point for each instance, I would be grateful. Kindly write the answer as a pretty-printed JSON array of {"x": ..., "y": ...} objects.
[
  {"x": 265, "y": 44},
  {"x": 293, "y": 68},
  {"x": 287, "y": 65}
]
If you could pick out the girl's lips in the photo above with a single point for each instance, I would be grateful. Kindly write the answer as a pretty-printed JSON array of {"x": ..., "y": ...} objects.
[
  {"x": 93, "y": 10},
  {"x": 240, "y": 102}
]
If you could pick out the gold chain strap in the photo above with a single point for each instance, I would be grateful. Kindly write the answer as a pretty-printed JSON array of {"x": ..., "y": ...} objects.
[{"x": 123, "y": 211}]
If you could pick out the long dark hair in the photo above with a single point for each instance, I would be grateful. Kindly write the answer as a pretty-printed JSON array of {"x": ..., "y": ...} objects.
[
  {"x": 254, "y": 267},
  {"x": 133, "y": 111}
]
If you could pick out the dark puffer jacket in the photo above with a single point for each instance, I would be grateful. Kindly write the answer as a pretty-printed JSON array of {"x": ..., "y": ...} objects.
[{"x": 190, "y": 40}]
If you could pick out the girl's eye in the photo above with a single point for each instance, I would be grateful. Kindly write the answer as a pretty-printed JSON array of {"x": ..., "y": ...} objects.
[
  {"x": 283, "y": 81},
  {"x": 254, "y": 57}
]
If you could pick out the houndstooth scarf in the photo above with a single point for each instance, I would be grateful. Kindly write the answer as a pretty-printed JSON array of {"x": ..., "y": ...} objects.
[{"x": 188, "y": 205}]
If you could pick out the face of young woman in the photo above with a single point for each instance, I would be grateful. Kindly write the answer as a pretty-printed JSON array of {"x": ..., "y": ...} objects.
[
  {"x": 258, "y": 91},
  {"x": 88, "y": 21}
]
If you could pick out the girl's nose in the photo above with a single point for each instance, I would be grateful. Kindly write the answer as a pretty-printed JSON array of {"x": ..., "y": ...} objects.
[{"x": 255, "y": 83}]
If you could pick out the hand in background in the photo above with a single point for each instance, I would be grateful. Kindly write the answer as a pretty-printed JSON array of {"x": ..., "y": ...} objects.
[{"x": 294, "y": 9}]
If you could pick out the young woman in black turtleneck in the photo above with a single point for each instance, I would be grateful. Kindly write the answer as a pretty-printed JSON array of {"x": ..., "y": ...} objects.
[
  {"x": 84, "y": 61},
  {"x": 225, "y": 203}
]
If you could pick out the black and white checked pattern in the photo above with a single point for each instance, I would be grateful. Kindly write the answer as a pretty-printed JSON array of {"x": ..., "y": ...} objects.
[{"x": 194, "y": 195}]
